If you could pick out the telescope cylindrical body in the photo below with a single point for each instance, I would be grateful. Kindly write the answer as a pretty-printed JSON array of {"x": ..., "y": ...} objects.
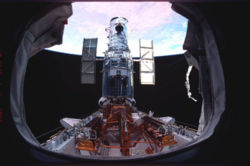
[{"x": 118, "y": 63}]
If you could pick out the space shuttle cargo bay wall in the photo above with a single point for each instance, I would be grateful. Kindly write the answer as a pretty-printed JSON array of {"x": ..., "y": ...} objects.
[{"x": 27, "y": 47}]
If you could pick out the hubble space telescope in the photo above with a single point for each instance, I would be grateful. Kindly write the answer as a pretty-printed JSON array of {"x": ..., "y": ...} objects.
[{"x": 118, "y": 128}]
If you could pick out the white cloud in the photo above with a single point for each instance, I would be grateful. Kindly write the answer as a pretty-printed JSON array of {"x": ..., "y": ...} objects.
[
  {"x": 171, "y": 43},
  {"x": 90, "y": 19},
  {"x": 184, "y": 24},
  {"x": 134, "y": 47}
]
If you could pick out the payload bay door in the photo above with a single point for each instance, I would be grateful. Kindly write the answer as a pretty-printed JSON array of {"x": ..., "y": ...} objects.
[
  {"x": 147, "y": 63},
  {"x": 88, "y": 65}
]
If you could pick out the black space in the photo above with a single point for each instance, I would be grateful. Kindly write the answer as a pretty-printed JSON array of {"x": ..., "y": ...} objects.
[{"x": 53, "y": 90}]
